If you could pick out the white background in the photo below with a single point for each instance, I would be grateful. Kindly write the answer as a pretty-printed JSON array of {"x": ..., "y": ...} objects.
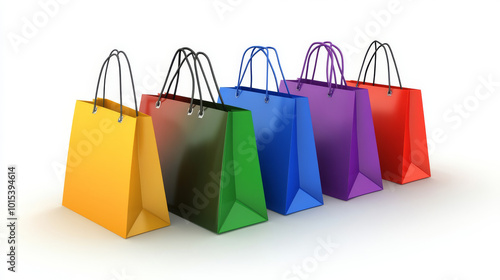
[{"x": 443, "y": 228}]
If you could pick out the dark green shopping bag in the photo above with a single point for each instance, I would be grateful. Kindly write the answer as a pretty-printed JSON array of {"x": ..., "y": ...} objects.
[{"x": 208, "y": 154}]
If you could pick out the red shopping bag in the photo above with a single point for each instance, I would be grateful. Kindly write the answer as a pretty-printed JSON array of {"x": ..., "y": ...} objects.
[{"x": 398, "y": 118}]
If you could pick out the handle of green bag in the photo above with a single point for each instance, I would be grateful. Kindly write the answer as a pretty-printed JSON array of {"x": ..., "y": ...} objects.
[
  {"x": 197, "y": 63},
  {"x": 115, "y": 53},
  {"x": 178, "y": 53}
]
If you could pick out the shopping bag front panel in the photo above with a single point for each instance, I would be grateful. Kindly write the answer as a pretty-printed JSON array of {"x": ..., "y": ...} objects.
[
  {"x": 190, "y": 150},
  {"x": 99, "y": 166}
]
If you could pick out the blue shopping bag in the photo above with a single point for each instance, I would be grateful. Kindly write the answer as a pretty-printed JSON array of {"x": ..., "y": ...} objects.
[{"x": 285, "y": 140}]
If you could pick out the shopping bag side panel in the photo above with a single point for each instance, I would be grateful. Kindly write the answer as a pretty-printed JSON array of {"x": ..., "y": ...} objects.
[
  {"x": 242, "y": 200},
  {"x": 369, "y": 163},
  {"x": 134, "y": 192},
  {"x": 306, "y": 152},
  {"x": 419, "y": 167},
  {"x": 153, "y": 193},
  {"x": 151, "y": 210}
]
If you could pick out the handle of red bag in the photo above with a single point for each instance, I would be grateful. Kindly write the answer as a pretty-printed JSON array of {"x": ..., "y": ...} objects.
[
  {"x": 104, "y": 67},
  {"x": 374, "y": 58},
  {"x": 381, "y": 45}
]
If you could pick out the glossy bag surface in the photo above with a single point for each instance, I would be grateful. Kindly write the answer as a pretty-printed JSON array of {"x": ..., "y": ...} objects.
[
  {"x": 209, "y": 162},
  {"x": 113, "y": 174},
  {"x": 343, "y": 130},
  {"x": 285, "y": 143},
  {"x": 398, "y": 117}
]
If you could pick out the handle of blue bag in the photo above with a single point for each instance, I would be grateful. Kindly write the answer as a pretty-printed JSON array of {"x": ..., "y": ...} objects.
[
  {"x": 255, "y": 50},
  {"x": 104, "y": 67},
  {"x": 381, "y": 45},
  {"x": 197, "y": 62},
  {"x": 264, "y": 50},
  {"x": 331, "y": 53}
]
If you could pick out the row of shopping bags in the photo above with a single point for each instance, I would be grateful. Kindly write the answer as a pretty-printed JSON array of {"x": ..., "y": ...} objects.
[{"x": 222, "y": 164}]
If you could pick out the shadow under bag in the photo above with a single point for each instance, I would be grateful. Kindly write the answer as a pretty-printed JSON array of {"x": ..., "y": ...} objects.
[
  {"x": 285, "y": 141},
  {"x": 208, "y": 154},
  {"x": 113, "y": 174},
  {"x": 343, "y": 128},
  {"x": 398, "y": 117}
]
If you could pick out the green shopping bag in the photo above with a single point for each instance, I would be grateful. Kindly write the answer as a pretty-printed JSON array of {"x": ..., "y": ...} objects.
[{"x": 208, "y": 154}]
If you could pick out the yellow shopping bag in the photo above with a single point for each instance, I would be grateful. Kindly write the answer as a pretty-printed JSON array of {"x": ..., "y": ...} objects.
[{"x": 113, "y": 174}]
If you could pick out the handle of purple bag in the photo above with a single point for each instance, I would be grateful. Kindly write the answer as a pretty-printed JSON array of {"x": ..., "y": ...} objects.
[
  {"x": 374, "y": 58},
  {"x": 115, "y": 53},
  {"x": 341, "y": 68},
  {"x": 317, "y": 47},
  {"x": 330, "y": 48},
  {"x": 306, "y": 64},
  {"x": 265, "y": 51}
]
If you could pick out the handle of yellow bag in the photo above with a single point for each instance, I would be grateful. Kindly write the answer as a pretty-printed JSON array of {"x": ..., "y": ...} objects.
[
  {"x": 374, "y": 58},
  {"x": 104, "y": 67}
]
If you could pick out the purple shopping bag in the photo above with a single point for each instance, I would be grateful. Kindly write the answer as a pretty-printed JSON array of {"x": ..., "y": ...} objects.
[{"x": 343, "y": 129}]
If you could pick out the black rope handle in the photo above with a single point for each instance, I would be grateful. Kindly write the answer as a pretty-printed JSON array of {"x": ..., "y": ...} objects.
[
  {"x": 197, "y": 62},
  {"x": 115, "y": 53},
  {"x": 374, "y": 58},
  {"x": 381, "y": 45},
  {"x": 178, "y": 53}
]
